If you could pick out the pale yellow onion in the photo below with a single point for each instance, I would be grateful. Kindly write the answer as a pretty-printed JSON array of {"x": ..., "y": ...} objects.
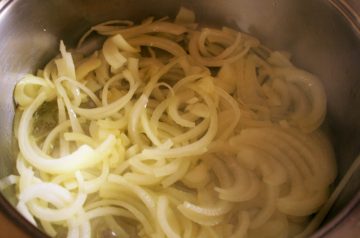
[
  {"x": 8, "y": 181},
  {"x": 162, "y": 43},
  {"x": 148, "y": 28},
  {"x": 84, "y": 157},
  {"x": 162, "y": 211},
  {"x": 243, "y": 225},
  {"x": 87, "y": 66},
  {"x": 101, "y": 112},
  {"x": 155, "y": 156}
]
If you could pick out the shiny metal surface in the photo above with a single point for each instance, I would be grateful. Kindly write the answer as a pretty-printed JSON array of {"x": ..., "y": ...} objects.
[
  {"x": 350, "y": 10},
  {"x": 317, "y": 34}
]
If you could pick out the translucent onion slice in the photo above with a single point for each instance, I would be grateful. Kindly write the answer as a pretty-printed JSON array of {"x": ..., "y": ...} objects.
[
  {"x": 83, "y": 157},
  {"x": 208, "y": 216},
  {"x": 162, "y": 211}
]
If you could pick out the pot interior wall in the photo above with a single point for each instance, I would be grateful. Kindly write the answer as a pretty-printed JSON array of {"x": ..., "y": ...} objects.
[{"x": 318, "y": 37}]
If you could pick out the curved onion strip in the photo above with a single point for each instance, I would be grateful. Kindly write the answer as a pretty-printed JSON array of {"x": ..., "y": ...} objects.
[
  {"x": 162, "y": 43},
  {"x": 235, "y": 107},
  {"x": 101, "y": 112},
  {"x": 268, "y": 208},
  {"x": 243, "y": 225},
  {"x": 194, "y": 52},
  {"x": 199, "y": 218},
  {"x": 197, "y": 147},
  {"x": 62, "y": 213},
  {"x": 56, "y": 194},
  {"x": 53, "y": 134},
  {"x": 311, "y": 84},
  {"x": 141, "y": 193},
  {"x": 135, "y": 212},
  {"x": 83, "y": 157},
  {"x": 165, "y": 27},
  {"x": 162, "y": 210}
]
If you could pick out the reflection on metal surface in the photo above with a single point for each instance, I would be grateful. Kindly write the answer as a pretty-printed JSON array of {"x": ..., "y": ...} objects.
[
  {"x": 350, "y": 10},
  {"x": 4, "y": 4},
  {"x": 350, "y": 225}
]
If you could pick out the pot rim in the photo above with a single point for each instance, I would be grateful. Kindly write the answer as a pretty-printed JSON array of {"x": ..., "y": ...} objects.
[{"x": 349, "y": 11}]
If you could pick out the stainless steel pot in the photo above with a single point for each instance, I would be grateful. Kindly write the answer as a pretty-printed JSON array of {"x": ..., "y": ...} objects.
[{"x": 323, "y": 37}]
